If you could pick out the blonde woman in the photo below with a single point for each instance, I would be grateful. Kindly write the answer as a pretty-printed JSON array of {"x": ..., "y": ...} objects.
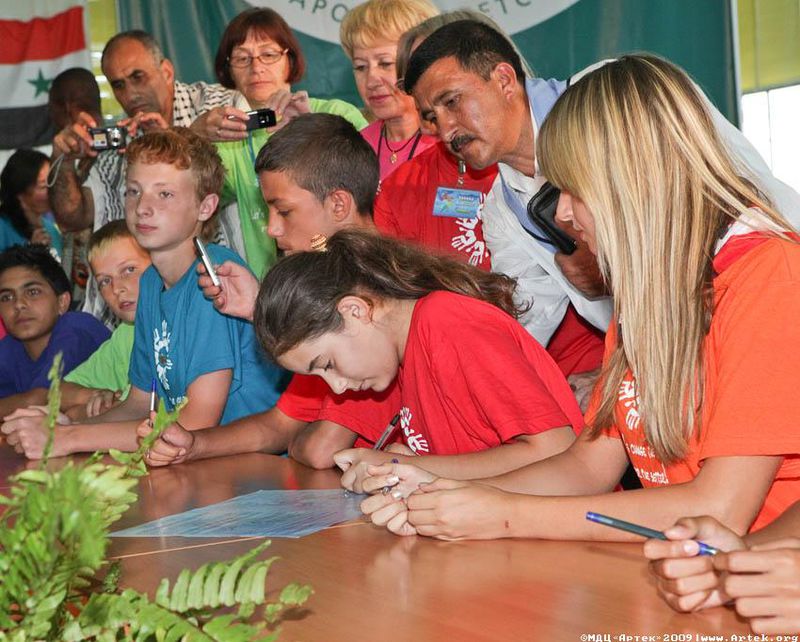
[
  {"x": 698, "y": 387},
  {"x": 369, "y": 35}
]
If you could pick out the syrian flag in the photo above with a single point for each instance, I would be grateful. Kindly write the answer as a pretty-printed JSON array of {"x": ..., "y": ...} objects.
[{"x": 41, "y": 38}]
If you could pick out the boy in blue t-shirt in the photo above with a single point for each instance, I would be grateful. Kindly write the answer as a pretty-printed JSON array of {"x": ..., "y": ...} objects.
[
  {"x": 180, "y": 341},
  {"x": 34, "y": 304}
]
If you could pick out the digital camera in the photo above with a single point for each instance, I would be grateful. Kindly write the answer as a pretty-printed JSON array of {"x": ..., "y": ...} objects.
[
  {"x": 104, "y": 138},
  {"x": 261, "y": 118}
]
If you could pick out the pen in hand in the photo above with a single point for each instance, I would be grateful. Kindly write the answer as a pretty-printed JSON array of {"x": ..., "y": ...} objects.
[
  {"x": 651, "y": 533},
  {"x": 387, "y": 433}
]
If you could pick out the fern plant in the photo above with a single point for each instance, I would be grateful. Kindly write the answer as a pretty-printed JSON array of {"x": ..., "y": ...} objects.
[{"x": 53, "y": 542}]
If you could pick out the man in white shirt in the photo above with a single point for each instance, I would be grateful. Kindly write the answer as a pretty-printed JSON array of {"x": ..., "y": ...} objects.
[{"x": 469, "y": 85}]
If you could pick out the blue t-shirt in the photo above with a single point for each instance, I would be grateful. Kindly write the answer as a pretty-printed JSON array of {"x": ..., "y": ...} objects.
[
  {"x": 76, "y": 334},
  {"x": 179, "y": 336}
]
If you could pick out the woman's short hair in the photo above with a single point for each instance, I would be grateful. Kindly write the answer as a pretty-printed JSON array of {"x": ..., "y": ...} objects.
[
  {"x": 377, "y": 21},
  {"x": 265, "y": 22}
]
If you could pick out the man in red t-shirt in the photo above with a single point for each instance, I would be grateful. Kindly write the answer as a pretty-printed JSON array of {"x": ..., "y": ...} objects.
[{"x": 406, "y": 207}]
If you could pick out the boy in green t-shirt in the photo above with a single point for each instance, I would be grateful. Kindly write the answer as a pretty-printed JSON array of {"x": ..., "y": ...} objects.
[{"x": 117, "y": 262}]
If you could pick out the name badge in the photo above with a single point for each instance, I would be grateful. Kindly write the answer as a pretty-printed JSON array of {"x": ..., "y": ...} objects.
[{"x": 457, "y": 203}]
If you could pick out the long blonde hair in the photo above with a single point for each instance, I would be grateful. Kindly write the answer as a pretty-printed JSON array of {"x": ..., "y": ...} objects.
[{"x": 634, "y": 141}]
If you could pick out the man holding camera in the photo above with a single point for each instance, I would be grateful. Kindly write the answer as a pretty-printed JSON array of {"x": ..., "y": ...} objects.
[
  {"x": 143, "y": 81},
  {"x": 469, "y": 85}
]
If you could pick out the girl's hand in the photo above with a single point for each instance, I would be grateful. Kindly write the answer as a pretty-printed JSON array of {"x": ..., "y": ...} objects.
[
  {"x": 388, "y": 510},
  {"x": 448, "y": 509},
  {"x": 354, "y": 462},
  {"x": 685, "y": 580},
  {"x": 399, "y": 448},
  {"x": 237, "y": 295},
  {"x": 765, "y": 582},
  {"x": 221, "y": 124},
  {"x": 401, "y": 479}
]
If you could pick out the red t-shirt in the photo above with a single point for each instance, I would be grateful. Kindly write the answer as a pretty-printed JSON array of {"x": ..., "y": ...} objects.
[
  {"x": 751, "y": 378},
  {"x": 404, "y": 206},
  {"x": 303, "y": 397},
  {"x": 471, "y": 378},
  {"x": 576, "y": 346},
  {"x": 306, "y": 395}
]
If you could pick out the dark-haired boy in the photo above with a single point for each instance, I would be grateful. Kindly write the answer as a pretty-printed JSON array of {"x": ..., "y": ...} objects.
[{"x": 34, "y": 304}]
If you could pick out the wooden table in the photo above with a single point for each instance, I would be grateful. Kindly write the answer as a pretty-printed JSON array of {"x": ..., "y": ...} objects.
[{"x": 371, "y": 585}]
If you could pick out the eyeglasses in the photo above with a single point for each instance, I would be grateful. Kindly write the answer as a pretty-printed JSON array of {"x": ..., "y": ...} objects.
[{"x": 265, "y": 58}]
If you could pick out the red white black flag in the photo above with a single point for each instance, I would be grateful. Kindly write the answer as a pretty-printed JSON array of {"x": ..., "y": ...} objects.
[{"x": 40, "y": 39}]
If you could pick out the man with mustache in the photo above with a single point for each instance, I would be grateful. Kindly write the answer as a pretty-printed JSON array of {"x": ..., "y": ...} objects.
[
  {"x": 144, "y": 83},
  {"x": 470, "y": 87}
]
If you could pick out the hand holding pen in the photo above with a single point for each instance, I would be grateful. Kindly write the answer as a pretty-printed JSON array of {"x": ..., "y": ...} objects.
[
  {"x": 354, "y": 461},
  {"x": 686, "y": 580}
]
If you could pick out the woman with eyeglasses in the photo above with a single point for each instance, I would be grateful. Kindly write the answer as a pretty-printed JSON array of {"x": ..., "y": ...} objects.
[
  {"x": 369, "y": 34},
  {"x": 260, "y": 57}
]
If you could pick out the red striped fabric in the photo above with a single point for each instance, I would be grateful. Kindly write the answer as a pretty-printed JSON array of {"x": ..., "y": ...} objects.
[{"x": 42, "y": 38}]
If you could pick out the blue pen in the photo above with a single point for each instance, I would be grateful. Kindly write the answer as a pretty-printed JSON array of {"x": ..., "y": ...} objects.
[{"x": 705, "y": 549}]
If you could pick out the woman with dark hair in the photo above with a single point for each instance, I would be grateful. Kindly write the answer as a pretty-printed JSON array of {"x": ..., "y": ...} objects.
[
  {"x": 260, "y": 57},
  {"x": 24, "y": 209}
]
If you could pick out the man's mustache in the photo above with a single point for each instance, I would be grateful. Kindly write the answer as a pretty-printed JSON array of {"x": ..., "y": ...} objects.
[{"x": 458, "y": 142}]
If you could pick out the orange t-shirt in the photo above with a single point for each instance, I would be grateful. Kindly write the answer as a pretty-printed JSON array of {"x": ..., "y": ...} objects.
[{"x": 752, "y": 371}]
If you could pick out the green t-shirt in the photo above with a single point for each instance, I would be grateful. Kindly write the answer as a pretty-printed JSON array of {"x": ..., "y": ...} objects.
[
  {"x": 241, "y": 184},
  {"x": 107, "y": 368}
]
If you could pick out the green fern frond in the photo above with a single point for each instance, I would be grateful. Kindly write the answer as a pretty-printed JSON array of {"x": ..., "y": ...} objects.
[
  {"x": 53, "y": 541},
  {"x": 53, "y": 404}
]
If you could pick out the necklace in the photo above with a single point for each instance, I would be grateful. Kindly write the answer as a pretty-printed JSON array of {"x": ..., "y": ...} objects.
[{"x": 393, "y": 152}]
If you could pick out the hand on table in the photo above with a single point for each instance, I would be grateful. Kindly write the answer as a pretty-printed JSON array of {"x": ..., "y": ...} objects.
[
  {"x": 391, "y": 484},
  {"x": 354, "y": 461},
  {"x": 100, "y": 401},
  {"x": 237, "y": 294},
  {"x": 449, "y": 509},
  {"x": 174, "y": 446},
  {"x": 402, "y": 479},
  {"x": 221, "y": 124},
  {"x": 685, "y": 580},
  {"x": 26, "y": 430},
  {"x": 764, "y": 581}
]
